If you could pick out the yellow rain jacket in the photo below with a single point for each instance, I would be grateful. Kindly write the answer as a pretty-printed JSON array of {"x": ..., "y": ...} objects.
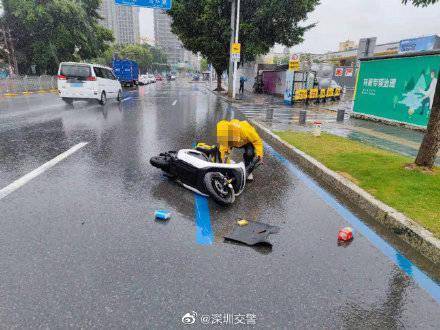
[{"x": 236, "y": 134}]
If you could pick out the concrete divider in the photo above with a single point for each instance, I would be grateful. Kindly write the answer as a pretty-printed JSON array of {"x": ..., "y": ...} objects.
[{"x": 407, "y": 229}]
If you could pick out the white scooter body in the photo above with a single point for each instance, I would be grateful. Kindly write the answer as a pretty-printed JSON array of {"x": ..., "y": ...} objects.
[{"x": 198, "y": 160}]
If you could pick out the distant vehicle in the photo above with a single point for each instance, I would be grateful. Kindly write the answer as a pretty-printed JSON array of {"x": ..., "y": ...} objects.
[
  {"x": 144, "y": 79},
  {"x": 196, "y": 77},
  {"x": 152, "y": 78},
  {"x": 158, "y": 77},
  {"x": 82, "y": 81},
  {"x": 170, "y": 77},
  {"x": 127, "y": 72}
]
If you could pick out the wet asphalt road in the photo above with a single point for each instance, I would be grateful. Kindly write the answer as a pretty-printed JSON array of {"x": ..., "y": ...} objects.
[{"x": 79, "y": 246}]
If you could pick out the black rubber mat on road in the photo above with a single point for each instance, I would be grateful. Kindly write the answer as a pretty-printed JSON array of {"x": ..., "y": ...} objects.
[{"x": 253, "y": 233}]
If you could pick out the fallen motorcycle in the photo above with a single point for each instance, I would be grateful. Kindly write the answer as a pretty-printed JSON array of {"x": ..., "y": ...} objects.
[{"x": 195, "y": 170}]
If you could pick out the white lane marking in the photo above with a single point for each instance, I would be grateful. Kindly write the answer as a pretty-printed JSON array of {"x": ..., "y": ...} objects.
[
  {"x": 39, "y": 170},
  {"x": 174, "y": 103},
  {"x": 127, "y": 98}
]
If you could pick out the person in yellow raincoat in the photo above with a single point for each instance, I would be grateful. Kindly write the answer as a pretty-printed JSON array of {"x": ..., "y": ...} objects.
[{"x": 239, "y": 134}]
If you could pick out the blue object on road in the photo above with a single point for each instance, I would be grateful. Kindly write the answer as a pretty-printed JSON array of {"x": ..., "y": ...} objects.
[
  {"x": 127, "y": 71},
  {"x": 204, "y": 234},
  {"x": 158, "y": 4},
  {"x": 162, "y": 214}
]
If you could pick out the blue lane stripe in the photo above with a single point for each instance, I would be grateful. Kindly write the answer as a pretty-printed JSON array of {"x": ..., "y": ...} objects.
[
  {"x": 396, "y": 257},
  {"x": 204, "y": 234}
]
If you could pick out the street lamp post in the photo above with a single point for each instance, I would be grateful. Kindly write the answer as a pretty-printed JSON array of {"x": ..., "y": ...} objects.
[
  {"x": 231, "y": 62},
  {"x": 237, "y": 24}
]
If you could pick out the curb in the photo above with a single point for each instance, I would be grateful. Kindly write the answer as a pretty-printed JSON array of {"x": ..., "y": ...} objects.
[
  {"x": 405, "y": 228},
  {"x": 387, "y": 121}
]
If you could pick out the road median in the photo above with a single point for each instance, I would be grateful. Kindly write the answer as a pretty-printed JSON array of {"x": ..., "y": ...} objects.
[{"x": 343, "y": 184}]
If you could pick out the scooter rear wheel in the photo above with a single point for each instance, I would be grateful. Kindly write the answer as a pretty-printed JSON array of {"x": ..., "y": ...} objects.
[{"x": 222, "y": 193}]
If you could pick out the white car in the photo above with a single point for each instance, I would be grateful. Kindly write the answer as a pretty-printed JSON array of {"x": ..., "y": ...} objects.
[
  {"x": 84, "y": 81},
  {"x": 144, "y": 79}
]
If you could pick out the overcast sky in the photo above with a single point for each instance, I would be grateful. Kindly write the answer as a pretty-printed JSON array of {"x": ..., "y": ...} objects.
[{"x": 339, "y": 20}]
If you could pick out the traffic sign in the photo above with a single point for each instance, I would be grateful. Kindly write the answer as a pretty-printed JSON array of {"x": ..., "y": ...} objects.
[
  {"x": 294, "y": 65},
  {"x": 157, "y": 4},
  {"x": 236, "y": 48},
  {"x": 236, "y": 57}
]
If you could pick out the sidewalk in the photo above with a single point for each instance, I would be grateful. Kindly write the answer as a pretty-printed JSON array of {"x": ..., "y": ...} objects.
[{"x": 275, "y": 115}]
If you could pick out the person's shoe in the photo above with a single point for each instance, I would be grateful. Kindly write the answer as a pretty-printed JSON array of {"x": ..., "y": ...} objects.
[{"x": 250, "y": 177}]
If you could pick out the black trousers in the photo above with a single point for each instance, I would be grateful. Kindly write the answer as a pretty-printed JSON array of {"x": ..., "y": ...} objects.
[
  {"x": 248, "y": 154},
  {"x": 241, "y": 90}
]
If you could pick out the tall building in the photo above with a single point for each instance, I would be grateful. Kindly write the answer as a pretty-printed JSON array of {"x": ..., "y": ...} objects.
[
  {"x": 122, "y": 20},
  {"x": 167, "y": 40}
]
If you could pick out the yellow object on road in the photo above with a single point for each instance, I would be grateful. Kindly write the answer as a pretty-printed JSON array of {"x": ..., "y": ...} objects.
[{"x": 242, "y": 222}]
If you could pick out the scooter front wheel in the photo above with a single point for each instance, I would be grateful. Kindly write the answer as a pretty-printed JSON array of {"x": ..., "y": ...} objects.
[{"x": 218, "y": 189}]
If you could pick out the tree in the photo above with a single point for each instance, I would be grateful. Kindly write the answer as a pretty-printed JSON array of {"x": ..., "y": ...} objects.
[
  {"x": 204, "y": 64},
  {"x": 421, "y": 3},
  {"x": 431, "y": 141},
  {"x": 45, "y": 33},
  {"x": 204, "y": 26},
  {"x": 138, "y": 53},
  {"x": 148, "y": 57},
  {"x": 159, "y": 61}
]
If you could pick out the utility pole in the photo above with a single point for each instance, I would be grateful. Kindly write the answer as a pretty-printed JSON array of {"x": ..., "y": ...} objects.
[
  {"x": 237, "y": 22},
  {"x": 231, "y": 62}
]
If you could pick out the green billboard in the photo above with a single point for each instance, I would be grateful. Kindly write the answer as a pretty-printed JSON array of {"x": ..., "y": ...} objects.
[{"x": 399, "y": 89}]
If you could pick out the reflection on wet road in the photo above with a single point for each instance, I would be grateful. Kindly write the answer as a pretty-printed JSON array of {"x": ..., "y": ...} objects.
[{"x": 80, "y": 247}]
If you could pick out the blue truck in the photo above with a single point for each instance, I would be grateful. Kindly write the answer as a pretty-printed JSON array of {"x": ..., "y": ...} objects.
[{"x": 127, "y": 72}]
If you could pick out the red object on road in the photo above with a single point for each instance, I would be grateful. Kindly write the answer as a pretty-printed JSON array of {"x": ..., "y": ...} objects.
[{"x": 345, "y": 234}]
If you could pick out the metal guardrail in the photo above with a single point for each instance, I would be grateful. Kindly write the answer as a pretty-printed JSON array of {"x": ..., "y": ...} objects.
[{"x": 23, "y": 84}]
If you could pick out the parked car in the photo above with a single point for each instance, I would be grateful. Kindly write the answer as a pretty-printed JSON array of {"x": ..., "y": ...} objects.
[
  {"x": 144, "y": 79},
  {"x": 127, "y": 72},
  {"x": 170, "y": 77},
  {"x": 85, "y": 81},
  {"x": 152, "y": 78}
]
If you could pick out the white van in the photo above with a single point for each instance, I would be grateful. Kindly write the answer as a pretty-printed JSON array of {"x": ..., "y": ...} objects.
[{"x": 82, "y": 81}]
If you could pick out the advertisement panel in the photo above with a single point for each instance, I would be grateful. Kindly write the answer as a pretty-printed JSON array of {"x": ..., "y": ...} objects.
[
  {"x": 289, "y": 87},
  {"x": 157, "y": 4},
  {"x": 419, "y": 44},
  {"x": 400, "y": 89}
]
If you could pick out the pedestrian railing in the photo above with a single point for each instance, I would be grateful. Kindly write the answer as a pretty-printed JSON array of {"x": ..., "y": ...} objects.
[{"x": 27, "y": 84}]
